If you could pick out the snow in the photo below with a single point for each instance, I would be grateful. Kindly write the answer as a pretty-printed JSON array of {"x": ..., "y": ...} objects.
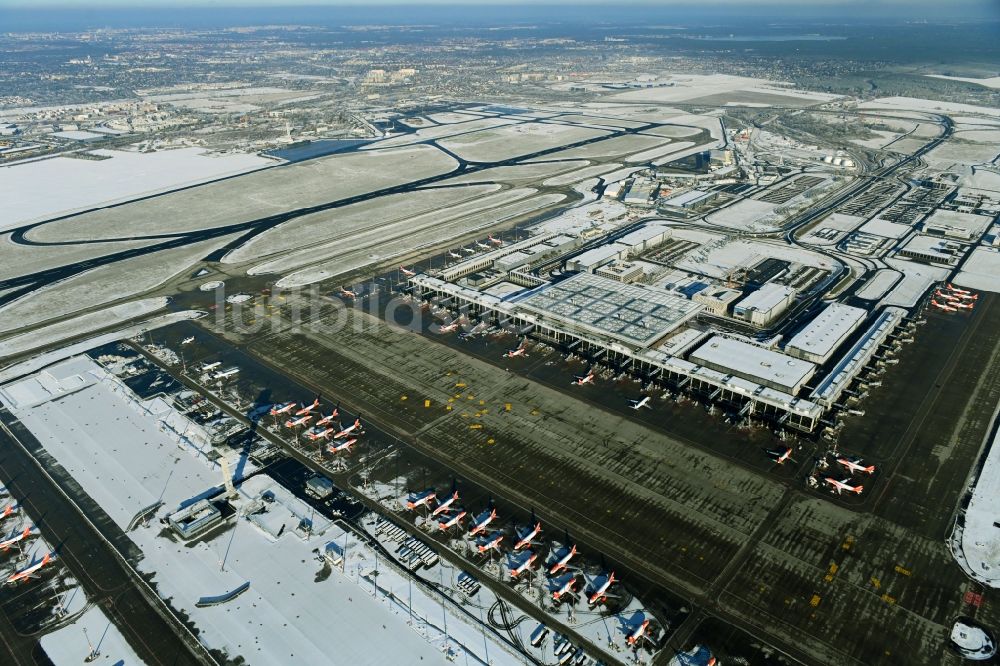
[
  {"x": 613, "y": 147},
  {"x": 118, "y": 314},
  {"x": 671, "y": 150},
  {"x": 926, "y": 105},
  {"x": 578, "y": 175},
  {"x": 917, "y": 279},
  {"x": 886, "y": 229},
  {"x": 748, "y": 214},
  {"x": 878, "y": 284},
  {"x": 719, "y": 258},
  {"x": 981, "y": 271},
  {"x": 514, "y": 140},
  {"x": 47, "y": 188},
  {"x": 70, "y": 646},
  {"x": 989, "y": 82},
  {"x": 979, "y": 552}
]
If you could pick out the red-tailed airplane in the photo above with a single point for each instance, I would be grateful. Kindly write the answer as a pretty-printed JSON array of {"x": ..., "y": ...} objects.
[
  {"x": 349, "y": 429},
  {"x": 318, "y": 432},
  {"x": 347, "y": 293},
  {"x": 562, "y": 562},
  {"x": 942, "y": 306},
  {"x": 480, "y": 524},
  {"x": 513, "y": 353},
  {"x": 957, "y": 290},
  {"x": 580, "y": 380},
  {"x": 329, "y": 419},
  {"x": 281, "y": 408},
  {"x": 565, "y": 588},
  {"x": 15, "y": 537},
  {"x": 495, "y": 241},
  {"x": 443, "y": 506},
  {"x": 601, "y": 593},
  {"x": 962, "y": 306},
  {"x": 780, "y": 456},
  {"x": 525, "y": 564},
  {"x": 854, "y": 465},
  {"x": 528, "y": 536},
  {"x": 493, "y": 542},
  {"x": 448, "y": 328},
  {"x": 341, "y": 445},
  {"x": 841, "y": 486},
  {"x": 307, "y": 408},
  {"x": 407, "y": 273},
  {"x": 421, "y": 499},
  {"x": 452, "y": 522},
  {"x": 298, "y": 421},
  {"x": 29, "y": 571},
  {"x": 10, "y": 510},
  {"x": 640, "y": 632}
]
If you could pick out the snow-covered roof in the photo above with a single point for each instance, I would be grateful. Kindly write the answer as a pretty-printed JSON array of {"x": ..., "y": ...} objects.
[
  {"x": 767, "y": 297},
  {"x": 755, "y": 363},
  {"x": 824, "y": 333}
]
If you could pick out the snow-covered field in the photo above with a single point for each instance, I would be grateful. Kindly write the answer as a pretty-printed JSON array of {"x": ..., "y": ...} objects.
[
  {"x": 989, "y": 82},
  {"x": 885, "y": 228},
  {"x": 748, "y": 214},
  {"x": 917, "y": 279},
  {"x": 71, "y": 644},
  {"x": 515, "y": 140},
  {"x": 926, "y": 105},
  {"x": 878, "y": 284},
  {"x": 671, "y": 150},
  {"x": 981, "y": 271},
  {"x": 47, "y": 188},
  {"x": 718, "y": 259}
]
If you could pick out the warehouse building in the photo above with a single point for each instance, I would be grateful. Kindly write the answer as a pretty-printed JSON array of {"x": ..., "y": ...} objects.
[
  {"x": 620, "y": 271},
  {"x": 717, "y": 300},
  {"x": 764, "y": 305},
  {"x": 596, "y": 257},
  {"x": 824, "y": 334},
  {"x": 761, "y": 366}
]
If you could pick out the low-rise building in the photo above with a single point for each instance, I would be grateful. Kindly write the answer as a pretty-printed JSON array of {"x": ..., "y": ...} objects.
[
  {"x": 717, "y": 300},
  {"x": 757, "y": 364},
  {"x": 821, "y": 337},
  {"x": 622, "y": 271},
  {"x": 764, "y": 305}
]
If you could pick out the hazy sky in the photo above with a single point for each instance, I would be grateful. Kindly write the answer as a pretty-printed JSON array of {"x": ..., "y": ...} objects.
[{"x": 902, "y": 5}]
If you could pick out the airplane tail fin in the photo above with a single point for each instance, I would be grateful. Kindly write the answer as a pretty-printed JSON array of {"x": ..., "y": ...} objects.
[
  {"x": 870, "y": 469},
  {"x": 859, "y": 489}
]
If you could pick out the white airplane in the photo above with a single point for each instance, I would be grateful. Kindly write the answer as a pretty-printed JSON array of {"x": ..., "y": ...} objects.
[
  {"x": 841, "y": 486},
  {"x": 957, "y": 290},
  {"x": 454, "y": 255},
  {"x": 278, "y": 409},
  {"x": 406, "y": 272},
  {"x": 468, "y": 250},
  {"x": 443, "y": 506},
  {"x": 29, "y": 571},
  {"x": 14, "y": 537},
  {"x": 421, "y": 499},
  {"x": 528, "y": 536},
  {"x": 329, "y": 418},
  {"x": 206, "y": 367},
  {"x": 452, "y": 522},
  {"x": 226, "y": 374},
  {"x": 188, "y": 340},
  {"x": 601, "y": 593},
  {"x": 298, "y": 421},
  {"x": 349, "y": 429},
  {"x": 942, "y": 306},
  {"x": 640, "y": 632},
  {"x": 495, "y": 241},
  {"x": 580, "y": 380},
  {"x": 317, "y": 432},
  {"x": 307, "y": 408},
  {"x": 493, "y": 542},
  {"x": 639, "y": 404},
  {"x": 448, "y": 328},
  {"x": 780, "y": 456},
  {"x": 524, "y": 565},
  {"x": 855, "y": 465},
  {"x": 566, "y": 588},
  {"x": 341, "y": 445},
  {"x": 480, "y": 524},
  {"x": 563, "y": 562},
  {"x": 514, "y": 353}
]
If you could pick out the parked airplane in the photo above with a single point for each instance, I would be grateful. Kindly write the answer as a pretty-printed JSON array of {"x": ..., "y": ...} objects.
[
  {"x": 855, "y": 465},
  {"x": 10, "y": 510},
  {"x": 329, "y": 418},
  {"x": 347, "y": 293},
  {"x": 420, "y": 499},
  {"x": 492, "y": 542},
  {"x": 281, "y": 408},
  {"x": 780, "y": 456},
  {"x": 187, "y": 340},
  {"x": 841, "y": 486},
  {"x": 29, "y": 571},
  {"x": 580, "y": 380},
  {"x": 957, "y": 290},
  {"x": 522, "y": 350},
  {"x": 298, "y": 421},
  {"x": 15, "y": 537},
  {"x": 942, "y": 306},
  {"x": 206, "y": 367},
  {"x": 452, "y": 522},
  {"x": 307, "y": 408},
  {"x": 566, "y": 588},
  {"x": 563, "y": 562},
  {"x": 448, "y": 328},
  {"x": 349, "y": 429},
  {"x": 468, "y": 250},
  {"x": 601, "y": 593},
  {"x": 639, "y": 404},
  {"x": 482, "y": 245},
  {"x": 443, "y": 506},
  {"x": 481, "y": 522},
  {"x": 407, "y": 273},
  {"x": 525, "y": 564},
  {"x": 454, "y": 255},
  {"x": 495, "y": 241},
  {"x": 318, "y": 432},
  {"x": 640, "y": 632},
  {"x": 528, "y": 536},
  {"x": 341, "y": 445},
  {"x": 226, "y": 374}
]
